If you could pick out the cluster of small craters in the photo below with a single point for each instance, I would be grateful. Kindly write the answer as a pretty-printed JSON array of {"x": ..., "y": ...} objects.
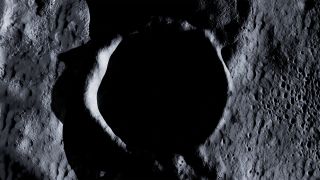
[{"x": 272, "y": 119}]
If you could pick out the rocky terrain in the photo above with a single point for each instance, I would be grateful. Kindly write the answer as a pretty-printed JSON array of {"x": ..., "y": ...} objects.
[{"x": 269, "y": 129}]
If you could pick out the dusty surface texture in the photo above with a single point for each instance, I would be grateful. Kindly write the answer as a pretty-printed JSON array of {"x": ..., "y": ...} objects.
[
  {"x": 270, "y": 47},
  {"x": 32, "y": 33}
]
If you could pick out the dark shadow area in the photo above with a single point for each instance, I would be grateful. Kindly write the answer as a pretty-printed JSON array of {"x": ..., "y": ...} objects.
[
  {"x": 110, "y": 17},
  {"x": 90, "y": 152},
  {"x": 85, "y": 144},
  {"x": 164, "y": 93}
]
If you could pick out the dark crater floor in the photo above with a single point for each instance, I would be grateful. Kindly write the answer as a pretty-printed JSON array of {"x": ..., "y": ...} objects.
[
  {"x": 163, "y": 94},
  {"x": 164, "y": 91}
]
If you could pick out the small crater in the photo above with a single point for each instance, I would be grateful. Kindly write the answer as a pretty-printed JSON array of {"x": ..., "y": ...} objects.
[
  {"x": 228, "y": 51},
  {"x": 310, "y": 172},
  {"x": 293, "y": 121},
  {"x": 309, "y": 4},
  {"x": 40, "y": 6}
]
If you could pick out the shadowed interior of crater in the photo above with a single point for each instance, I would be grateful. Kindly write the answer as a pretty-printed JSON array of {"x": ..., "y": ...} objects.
[
  {"x": 163, "y": 94},
  {"x": 111, "y": 17},
  {"x": 164, "y": 91}
]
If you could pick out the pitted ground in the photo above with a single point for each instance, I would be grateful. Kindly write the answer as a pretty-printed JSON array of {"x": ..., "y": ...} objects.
[{"x": 273, "y": 129}]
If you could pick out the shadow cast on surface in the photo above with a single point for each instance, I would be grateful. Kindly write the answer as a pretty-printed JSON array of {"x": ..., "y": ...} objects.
[{"x": 163, "y": 94}]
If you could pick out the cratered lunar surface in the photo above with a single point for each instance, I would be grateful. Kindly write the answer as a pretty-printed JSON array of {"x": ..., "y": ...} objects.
[{"x": 51, "y": 54}]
